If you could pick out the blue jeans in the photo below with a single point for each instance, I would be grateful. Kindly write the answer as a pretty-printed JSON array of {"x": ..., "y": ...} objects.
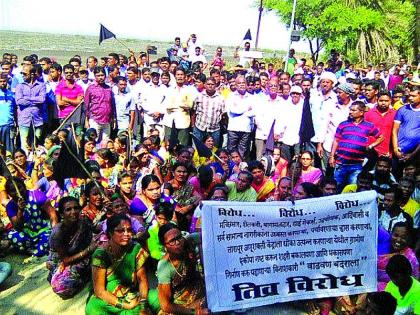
[
  {"x": 24, "y": 134},
  {"x": 201, "y": 134},
  {"x": 346, "y": 174},
  {"x": 6, "y": 137}
]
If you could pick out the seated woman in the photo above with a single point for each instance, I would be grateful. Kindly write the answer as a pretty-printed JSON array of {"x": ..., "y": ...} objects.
[
  {"x": 306, "y": 172},
  {"x": 401, "y": 237},
  {"x": 143, "y": 206},
  {"x": 218, "y": 167},
  {"x": 187, "y": 199},
  {"x": 281, "y": 165},
  {"x": 181, "y": 286},
  {"x": 164, "y": 213},
  {"x": 21, "y": 160},
  {"x": 120, "y": 284},
  {"x": 94, "y": 210},
  {"x": 306, "y": 191},
  {"x": 263, "y": 185},
  {"x": 125, "y": 188},
  {"x": 31, "y": 215},
  {"x": 108, "y": 164},
  {"x": 47, "y": 184},
  {"x": 205, "y": 180},
  {"x": 70, "y": 250},
  {"x": 209, "y": 143}
]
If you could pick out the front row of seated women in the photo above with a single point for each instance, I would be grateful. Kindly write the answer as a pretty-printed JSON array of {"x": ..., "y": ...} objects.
[{"x": 123, "y": 260}]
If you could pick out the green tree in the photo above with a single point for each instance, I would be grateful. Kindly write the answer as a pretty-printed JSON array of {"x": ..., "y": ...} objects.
[{"x": 360, "y": 29}]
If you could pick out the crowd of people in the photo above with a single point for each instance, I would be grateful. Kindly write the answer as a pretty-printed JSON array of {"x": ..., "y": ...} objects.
[{"x": 136, "y": 129}]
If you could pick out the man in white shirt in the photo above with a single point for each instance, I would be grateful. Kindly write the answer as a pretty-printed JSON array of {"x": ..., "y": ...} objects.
[
  {"x": 198, "y": 56},
  {"x": 125, "y": 105},
  {"x": 241, "y": 115},
  {"x": 268, "y": 109},
  {"x": 151, "y": 103},
  {"x": 177, "y": 105},
  {"x": 333, "y": 117},
  {"x": 289, "y": 122}
]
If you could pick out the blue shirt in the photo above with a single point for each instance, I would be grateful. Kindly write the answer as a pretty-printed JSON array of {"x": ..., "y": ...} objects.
[
  {"x": 7, "y": 107},
  {"x": 409, "y": 131}
]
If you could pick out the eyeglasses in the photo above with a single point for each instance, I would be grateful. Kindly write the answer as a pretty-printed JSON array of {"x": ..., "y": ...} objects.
[
  {"x": 67, "y": 72},
  {"x": 175, "y": 241},
  {"x": 306, "y": 159},
  {"x": 121, "y": 231},
  {"x": 24, "y": 73}
]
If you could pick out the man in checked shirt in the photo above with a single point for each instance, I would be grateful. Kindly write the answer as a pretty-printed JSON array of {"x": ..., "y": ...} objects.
[{"x": 209, "y": 107}]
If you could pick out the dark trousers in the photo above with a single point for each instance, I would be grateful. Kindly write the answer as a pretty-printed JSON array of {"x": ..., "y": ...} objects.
[{"x": 239, "y": 140}]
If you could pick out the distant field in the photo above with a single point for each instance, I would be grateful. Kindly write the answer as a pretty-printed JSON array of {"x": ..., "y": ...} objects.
[{"x": 63, "y": 47}]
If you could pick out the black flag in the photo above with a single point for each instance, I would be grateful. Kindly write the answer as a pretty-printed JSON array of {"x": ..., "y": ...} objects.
[
  {"x": 69, "y": 161},
  {"x": 248, "y": 35},
  {"x": 306, "y": 131},
  {"x": 269, "y": 144},
  {"x": 173, "y": 139},
  {"x": 202, "y": 150},
  {"x": 105, "y": 33}
]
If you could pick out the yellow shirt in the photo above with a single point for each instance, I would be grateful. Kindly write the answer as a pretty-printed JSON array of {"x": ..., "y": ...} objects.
[{"x": 411, "y": 207}]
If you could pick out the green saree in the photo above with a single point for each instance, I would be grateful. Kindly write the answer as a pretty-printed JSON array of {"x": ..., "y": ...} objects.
[{"x": 121, "y": 279}]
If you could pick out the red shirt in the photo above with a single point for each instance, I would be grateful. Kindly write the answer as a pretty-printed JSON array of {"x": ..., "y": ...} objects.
[{"x": 384, "y": 122}]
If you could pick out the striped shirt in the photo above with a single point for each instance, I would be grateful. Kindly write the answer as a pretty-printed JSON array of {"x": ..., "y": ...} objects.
[
  {"x": 353, "y": 140},
  {"x": 209, "y": 110}
]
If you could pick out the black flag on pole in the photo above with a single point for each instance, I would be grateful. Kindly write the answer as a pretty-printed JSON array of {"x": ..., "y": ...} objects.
[
  {"x": 105, "y": 33},
  {"x": 248, "y": 35},
  {"x": 269, "y": 144},
  {"x": 306, "y": 131},
  {"x": 173, "y": 139}
]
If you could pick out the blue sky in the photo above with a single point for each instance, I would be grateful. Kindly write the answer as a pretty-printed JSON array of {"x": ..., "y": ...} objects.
[{"x": 215, "y": 22}]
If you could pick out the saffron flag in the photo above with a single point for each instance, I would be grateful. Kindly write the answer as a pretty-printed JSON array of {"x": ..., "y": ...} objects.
[{"x": 105, "y": 33}]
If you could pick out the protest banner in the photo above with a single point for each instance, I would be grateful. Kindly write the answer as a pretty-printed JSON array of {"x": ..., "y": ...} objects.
[{"x": 263, "y": 253}]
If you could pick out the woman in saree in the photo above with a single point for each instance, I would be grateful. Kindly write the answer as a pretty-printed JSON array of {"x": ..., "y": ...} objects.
[
  {"x": 31, "y": 215},
  {"x": 307, "y": 173},
  {"x": 208, "y": 141},
  {"x": 184, "y": 194},
  {"x": 94, "y": 209},
  {"x": 120, "y": 284},
  {"x": 401, "y": 237},
  {"x": 125, "y": 188},
  {"x": 143, "y": 207},
  {"x": 263, "y": 185},
  {"x": 70, "y": 250},
  {"x": 181, "y": 286}
]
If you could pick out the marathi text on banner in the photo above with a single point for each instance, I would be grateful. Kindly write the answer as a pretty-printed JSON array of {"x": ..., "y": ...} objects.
[{"x": 263, "y": 253}]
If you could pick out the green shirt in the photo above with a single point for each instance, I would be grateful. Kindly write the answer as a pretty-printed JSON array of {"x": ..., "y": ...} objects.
[
  {"x": 410, "y": 303},
  {"x": 233, "y": 195}
]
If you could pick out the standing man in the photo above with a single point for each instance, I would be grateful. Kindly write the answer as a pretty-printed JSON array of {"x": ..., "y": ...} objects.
[
  {"x": 382, "y": 116},
  {"x": 125, "y": 106},
  {"x": 241, "y": 116},
  {"x": 30, "y": 98},
  {"x": 178, "y": 104},
  {"x": 371, "y": 93},
  {"x": 7, "y": 113},
  {"x": 209, "y": 108},
  {"x": 339, "y": 113},
  {"x": 68, "y": 94},
  {"x": 100, "y": 109},
  {"x": 406, "y": 130},
  {"x": 351, "y": 145},
  {"x": 45, "y": 63}
]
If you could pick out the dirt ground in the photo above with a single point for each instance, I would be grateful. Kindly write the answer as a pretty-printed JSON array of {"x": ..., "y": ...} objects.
[{"x": 27, "y": 292}]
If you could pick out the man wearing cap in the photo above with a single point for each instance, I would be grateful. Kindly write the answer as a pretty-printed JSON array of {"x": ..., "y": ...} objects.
[
  {"x": 338, "y": 114},
  {"x": 198, "y": 56},
  {"x": 322, "y": 102},
  {"x": 84, "y": 81},
  {"x": 290, "y": 120}
]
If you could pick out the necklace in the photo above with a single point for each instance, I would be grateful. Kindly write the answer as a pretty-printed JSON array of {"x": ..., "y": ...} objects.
[{"x": 169, "y": 257}]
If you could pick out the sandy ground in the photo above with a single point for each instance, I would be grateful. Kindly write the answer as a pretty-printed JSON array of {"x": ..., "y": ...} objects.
[{"x": 27, "y": 292}]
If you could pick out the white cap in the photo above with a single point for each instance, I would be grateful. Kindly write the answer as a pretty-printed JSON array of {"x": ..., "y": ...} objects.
[
  {"x": 326, "y": 75},
  {"x": 296, "y": 89}
]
